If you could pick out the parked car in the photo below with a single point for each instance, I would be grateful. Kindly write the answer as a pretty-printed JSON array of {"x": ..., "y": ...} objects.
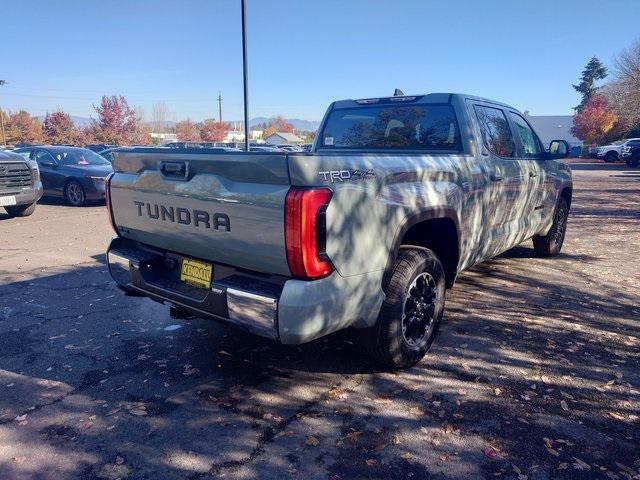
[
  {"x": 108, "y": 153},
  {"x": 367, "y": 231},
  {"x": 611, "y": 152},
  {"x": 289, "y": 148},
  {"x": 20, "y": 185},
  {"x": 99, "y": 147},
  {"x": 631, "y": 153},
  {"x": 73, "y": 173}
]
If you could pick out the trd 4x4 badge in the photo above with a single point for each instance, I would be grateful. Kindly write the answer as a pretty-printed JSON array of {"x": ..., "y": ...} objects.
[{"x": 334, "y": 176}]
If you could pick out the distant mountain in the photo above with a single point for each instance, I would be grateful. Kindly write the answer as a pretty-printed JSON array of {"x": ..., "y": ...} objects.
[
  {"x": 80, "y": 122},
  {"x": 298, "y": 124}
]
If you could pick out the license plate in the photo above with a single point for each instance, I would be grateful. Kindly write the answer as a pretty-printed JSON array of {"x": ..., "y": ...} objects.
[
  {"x": 196, "y": 273},
  {"x": 5, "y": 201}
]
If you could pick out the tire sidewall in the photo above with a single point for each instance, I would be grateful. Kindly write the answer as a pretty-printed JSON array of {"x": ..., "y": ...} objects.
[
  {"x": 562, "y": 209},
  {"x": 401, "y": 353}
]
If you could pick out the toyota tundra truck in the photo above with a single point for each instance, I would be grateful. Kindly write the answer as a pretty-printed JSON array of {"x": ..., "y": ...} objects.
[
  {"x": 20, "y": 185},
  {"x": 367, "y": 231}
]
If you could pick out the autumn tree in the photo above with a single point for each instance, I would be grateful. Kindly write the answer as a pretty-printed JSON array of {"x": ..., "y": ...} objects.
[
  {"x": 624, "y": 91},
  {"x": 597, "y": 122},
  {"x": 593, "y": 71},
  {"x": 116, "y": 121},
  {"x": 187, "y": 131},
  {"x": 212, "y": 131},
  {"x": 23, "y": 128},
  {"x": 59, "y": 129}
]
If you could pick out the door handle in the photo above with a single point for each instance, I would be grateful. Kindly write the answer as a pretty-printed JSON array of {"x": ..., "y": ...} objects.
[
  {"x": 496, "y": 177},
  {"x": 533, "y": 174},
  {"x": 179, "y": 170}
]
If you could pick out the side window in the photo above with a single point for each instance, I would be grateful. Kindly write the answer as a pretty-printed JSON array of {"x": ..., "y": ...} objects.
[
  {"x": 26, "y": 154},
  {"x": 496, "y": 133},
  {"x": 528, "y": 140},
  {"x": 42, "y": 156}
]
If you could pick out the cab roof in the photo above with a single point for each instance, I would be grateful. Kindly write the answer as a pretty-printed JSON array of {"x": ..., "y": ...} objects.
[{"x": 414, "y": 99}]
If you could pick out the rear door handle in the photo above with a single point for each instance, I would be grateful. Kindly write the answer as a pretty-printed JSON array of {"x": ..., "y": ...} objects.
[{"x": 496, "y": 177}]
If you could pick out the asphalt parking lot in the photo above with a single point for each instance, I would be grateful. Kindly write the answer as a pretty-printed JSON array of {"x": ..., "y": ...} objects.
[{"x": 535, "y": 373}]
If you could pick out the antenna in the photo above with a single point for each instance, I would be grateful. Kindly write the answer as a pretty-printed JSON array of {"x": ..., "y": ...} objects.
[{"x": 398, "y": 93}]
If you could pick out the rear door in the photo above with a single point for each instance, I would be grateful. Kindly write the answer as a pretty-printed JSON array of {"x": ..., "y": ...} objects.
[
  {"x": 533, "y": 196},
  {"x": 502, "y": 205},
  {"x": 49, "y": 171}
]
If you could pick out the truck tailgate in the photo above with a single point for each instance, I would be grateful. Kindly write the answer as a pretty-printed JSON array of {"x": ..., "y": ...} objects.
[{"x": 222, "y": 207}]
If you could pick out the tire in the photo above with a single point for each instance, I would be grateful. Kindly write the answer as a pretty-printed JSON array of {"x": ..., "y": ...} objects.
[
  {"x": 21, "y": 210},
  {"x": 550, "y": 244},
  {"x": 74, "y": 194},
  {"x": 611, "y": 157},
  {"x": 398, "y": 341}
]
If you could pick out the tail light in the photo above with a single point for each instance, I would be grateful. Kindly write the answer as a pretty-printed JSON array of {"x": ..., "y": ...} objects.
[
  {"x": 107, "y": 197},
  {"x": 305, "y": 232}
]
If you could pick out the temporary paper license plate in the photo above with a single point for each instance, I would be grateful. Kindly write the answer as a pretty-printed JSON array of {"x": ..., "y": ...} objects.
[
  {"x": 5, "y": 201},
  {"x": 196, "y": 273}
]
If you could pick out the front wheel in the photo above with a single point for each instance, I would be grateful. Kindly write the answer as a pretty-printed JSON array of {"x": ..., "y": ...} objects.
[
  {"x": 21, "y": 210},
  {"x": 550, "y": 244},
  {"x": 74, "y": 194},
  {"x": 411, "y": 312}
]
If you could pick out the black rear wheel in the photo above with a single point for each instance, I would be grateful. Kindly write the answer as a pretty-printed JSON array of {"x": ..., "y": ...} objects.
[
  {"x": 611, "y": 157},
  {"x": 550, "y": 244},
  {"x": 74, "y": 194},
  {"x": 411, "y": 312}
]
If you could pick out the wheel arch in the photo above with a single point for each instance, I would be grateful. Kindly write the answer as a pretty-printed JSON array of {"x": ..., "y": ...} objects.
[{"x": 435, "y": 228}]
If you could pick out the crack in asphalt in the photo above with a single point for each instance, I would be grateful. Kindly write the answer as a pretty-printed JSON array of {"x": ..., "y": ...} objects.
[{"x": 269, "y": 434}]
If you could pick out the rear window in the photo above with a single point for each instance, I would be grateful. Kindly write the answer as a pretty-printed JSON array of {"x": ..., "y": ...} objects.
[{"x": 385, "y": 127}]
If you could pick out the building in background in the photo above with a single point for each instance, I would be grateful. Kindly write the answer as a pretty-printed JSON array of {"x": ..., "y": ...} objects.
[
  {"x": 554, "y": 127},
  {"x": 163, "y": 138},
  {"x": 279, "y": 138}
]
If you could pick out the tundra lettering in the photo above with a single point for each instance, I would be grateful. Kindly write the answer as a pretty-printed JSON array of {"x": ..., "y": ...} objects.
[
  {"x": 216, "y": 221},
  {"x": 367, "y": 231}
]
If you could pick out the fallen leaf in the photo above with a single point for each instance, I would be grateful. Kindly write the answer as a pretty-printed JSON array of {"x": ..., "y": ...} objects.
[
  {"x": 313, "y": 441},
  {"x": 395, "y": 439},
  {"x": 617, "y": 416},
  {"x": 497, "y": 391},
  {"x": 353, "y": 436},
  {"x": 564, "y": 405},
  {"x": 491, "y": 453}
]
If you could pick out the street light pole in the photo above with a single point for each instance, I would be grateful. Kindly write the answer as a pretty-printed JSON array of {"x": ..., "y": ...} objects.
[
  {"x": 4, "y": 138},
  {"x": 245, "y": 74}
]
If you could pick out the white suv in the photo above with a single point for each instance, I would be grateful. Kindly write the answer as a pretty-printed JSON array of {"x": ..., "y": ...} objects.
[{"x": 611, "y": 153}]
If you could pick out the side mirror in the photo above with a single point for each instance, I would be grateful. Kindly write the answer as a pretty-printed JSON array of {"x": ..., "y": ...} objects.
[{"x": 558, "y": 149}]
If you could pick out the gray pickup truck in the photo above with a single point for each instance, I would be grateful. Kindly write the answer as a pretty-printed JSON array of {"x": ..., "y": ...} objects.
[
  {"x": 397, "y": 197},
  {"x": 20, "y": 185}
]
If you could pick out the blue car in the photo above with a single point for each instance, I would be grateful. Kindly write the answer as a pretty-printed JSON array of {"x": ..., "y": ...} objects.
[{"x": 76, "y": 174}]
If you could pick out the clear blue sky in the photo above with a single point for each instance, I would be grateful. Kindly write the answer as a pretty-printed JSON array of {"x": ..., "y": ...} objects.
[{"x": 303, "y": 53}]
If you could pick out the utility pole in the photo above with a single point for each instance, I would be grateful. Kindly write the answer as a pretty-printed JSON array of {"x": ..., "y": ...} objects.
[
  {"x": 245, "y": 74},
  {"x": 4, "y": 138},
  {"x": 220, "y": 106}
]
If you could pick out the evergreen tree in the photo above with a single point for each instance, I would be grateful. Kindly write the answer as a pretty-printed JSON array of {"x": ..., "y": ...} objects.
[{"x": 592, "y": 72}]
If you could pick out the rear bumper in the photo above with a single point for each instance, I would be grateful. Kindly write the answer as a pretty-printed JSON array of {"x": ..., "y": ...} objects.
[
  {"x": 237, "y": 299},
  {"x": 291, "y": 311}
]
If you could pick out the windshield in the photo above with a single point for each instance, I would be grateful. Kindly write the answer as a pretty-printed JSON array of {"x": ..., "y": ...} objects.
[
  {"x": 410, "y": 127},
  {"x": 80, "y": 157}
]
